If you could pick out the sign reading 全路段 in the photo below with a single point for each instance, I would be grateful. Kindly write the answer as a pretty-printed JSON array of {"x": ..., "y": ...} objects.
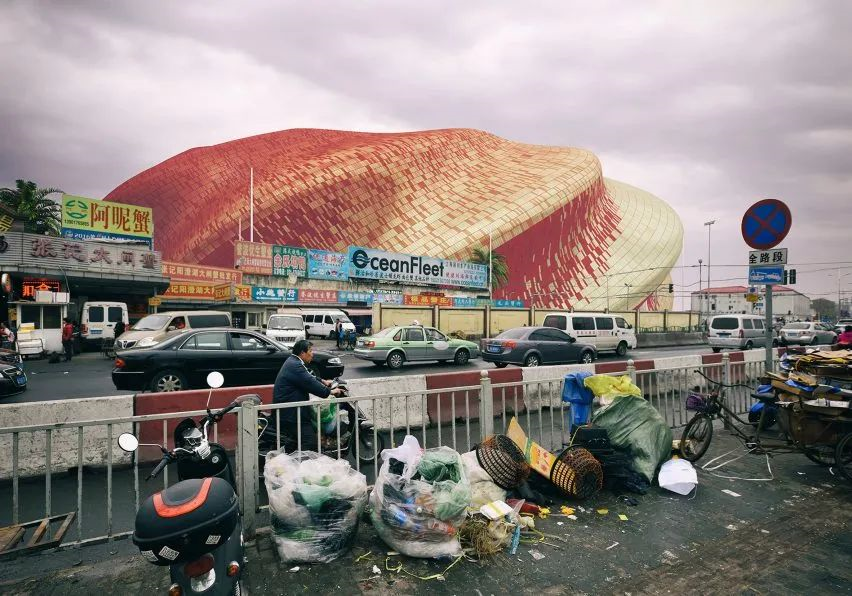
[
  {"x": 369, "y": 263},
  {"x": 84, "y": 218}
]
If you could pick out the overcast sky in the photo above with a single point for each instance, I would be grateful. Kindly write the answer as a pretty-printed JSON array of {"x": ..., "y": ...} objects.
[{"x": 710, "y": 106}]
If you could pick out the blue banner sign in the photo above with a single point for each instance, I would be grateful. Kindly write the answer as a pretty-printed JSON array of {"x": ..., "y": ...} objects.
[
  {"x": 508, "y": 303},
  {"x": 345, "y": 296},
  {"x": 323, "y": 264},
  {"x": 261, "y": 294},
  {"x": 766, "y": 275}
]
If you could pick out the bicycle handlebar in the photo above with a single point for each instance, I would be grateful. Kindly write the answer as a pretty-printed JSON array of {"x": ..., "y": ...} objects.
[{"x": 721, "y": 384}]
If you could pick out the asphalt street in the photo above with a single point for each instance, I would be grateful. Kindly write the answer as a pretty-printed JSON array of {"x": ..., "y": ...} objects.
[{"x": 88, "y": 375}]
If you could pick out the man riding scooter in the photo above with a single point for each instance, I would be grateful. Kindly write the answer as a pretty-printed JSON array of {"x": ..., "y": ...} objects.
[{"x": 293, "y": 384}]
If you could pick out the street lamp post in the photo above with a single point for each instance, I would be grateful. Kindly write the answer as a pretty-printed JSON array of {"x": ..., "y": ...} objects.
[
  {"x": 628, "y": 296},
  {"x": 700, "y": 295},
  {"x": 709, "y": 224}
]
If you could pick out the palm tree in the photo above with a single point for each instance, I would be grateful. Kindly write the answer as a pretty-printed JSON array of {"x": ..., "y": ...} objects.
[
  {"x": 498, "y": 265},
  {"x": 40, "y": 213}
]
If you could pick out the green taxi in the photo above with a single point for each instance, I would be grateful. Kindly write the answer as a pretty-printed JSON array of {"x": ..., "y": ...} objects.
[{"x": 395, "y": 346}]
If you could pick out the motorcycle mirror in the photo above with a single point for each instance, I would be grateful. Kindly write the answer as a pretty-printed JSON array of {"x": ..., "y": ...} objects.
[
  {"x": 128, "y": 442},
  {"x": 253, "y": 399},
  {"x": 215, "y": 380}
]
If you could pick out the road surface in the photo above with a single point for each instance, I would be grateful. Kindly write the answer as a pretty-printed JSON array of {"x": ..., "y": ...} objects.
[{"x": 88, "y": 375}]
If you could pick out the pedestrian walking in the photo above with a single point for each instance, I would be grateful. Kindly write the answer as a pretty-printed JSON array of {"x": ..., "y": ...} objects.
[
  {"x": 7, "y": 336},
  {"x": 338, "y": 332},
  {"x": 68, "y": 339},
  {"x": 120, "y": 328}
]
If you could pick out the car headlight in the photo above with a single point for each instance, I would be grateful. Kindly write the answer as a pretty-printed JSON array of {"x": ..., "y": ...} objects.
[
  {"x": 335, "y": 361},
  {"x": 147, "y": 342}
]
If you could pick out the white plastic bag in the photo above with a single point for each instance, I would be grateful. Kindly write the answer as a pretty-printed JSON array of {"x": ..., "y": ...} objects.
[{"x": 678, "y": 476}]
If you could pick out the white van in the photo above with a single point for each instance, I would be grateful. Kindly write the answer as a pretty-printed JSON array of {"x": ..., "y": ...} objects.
[
  {"x": 152, "y": 325},
  {"x": 736, "y": 331},
  {"x": 320, "y": 323},
  {"x": 605, "y": 332},
  {"x": 285, "y": 328},
  {"x": 98, "y": 319}
]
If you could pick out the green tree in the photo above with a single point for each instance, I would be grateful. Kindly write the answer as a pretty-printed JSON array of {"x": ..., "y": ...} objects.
[
  {"x": 40, "y": 212},
  {"x": 498, "y": 265},
  {"x": 824, "y": 308}
]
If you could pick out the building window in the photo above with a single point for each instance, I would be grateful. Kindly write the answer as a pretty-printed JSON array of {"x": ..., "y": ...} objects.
[{"x": 31, "y": 314}]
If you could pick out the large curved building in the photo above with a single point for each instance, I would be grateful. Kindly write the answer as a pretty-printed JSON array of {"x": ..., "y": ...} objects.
[{"x": 571, "y": 238}]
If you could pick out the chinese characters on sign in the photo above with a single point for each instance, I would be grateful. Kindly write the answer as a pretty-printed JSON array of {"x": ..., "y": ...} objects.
[
  {"x": 31, "y": 286},
  {"x": 289, "y": 260},
  {"x": 84, "y": 218},
  {"x": 201, "y": 273},
  {"x": 190, "y": 290},
  {"x": 320, "y": 296},
  {"x": 775, "y": 256},
  {"x": 262, "y": 294},
  {"x": 345, "y": 296},
  {"x": 421, "y": 300},
  {"x": 253, "y": 257},
  {"x": 242, "y": 293},
  {"x": 323, "y": 264},
  {"x": 508, "y": 303},
  {"x": 90, "y": 256}
]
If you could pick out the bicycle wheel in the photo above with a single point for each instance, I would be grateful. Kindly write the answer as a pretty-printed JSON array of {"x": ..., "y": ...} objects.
[
  {"x": 843, "y": 456},
  {"x": 820, "y": 454},
  {"x": 696, "y": 437},
  {"x": 367, "y": 449}
]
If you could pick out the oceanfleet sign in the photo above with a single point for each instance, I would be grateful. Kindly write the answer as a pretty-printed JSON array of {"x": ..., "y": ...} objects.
[{"x": 368, "y": 263}]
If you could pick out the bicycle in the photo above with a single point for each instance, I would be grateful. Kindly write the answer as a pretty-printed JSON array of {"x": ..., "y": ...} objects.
[{"x": 823, "y": 437}]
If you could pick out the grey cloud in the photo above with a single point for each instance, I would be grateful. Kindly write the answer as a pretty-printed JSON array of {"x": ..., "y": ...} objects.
[{"x": 709, "y": 106}]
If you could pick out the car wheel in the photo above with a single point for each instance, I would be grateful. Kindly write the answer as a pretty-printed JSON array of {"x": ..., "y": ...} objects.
[
  {"x": 501, "y": 364},
  {"x": 587, "y": 357},
  {"x": 749, "y": 345},
  {"x": 395, "y": 360},
  {"x": 621, "y": 350},
  {"x": 717, "y": 350},
  {"x": 462, "y": 357},
  {"x": 169, "y": 380},
  {"x": 532, "y": 360}
]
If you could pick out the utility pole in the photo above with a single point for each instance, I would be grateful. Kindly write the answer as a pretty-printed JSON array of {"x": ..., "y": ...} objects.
[
  {"x": 251, "y": 204},
  {"x": 709, "y": 224},
  {"x": 607, "y": 292},
  {"x": 628, "y": 296},
  {"x": 700, "y": 295},
  {"x": 490, "y": 268}
]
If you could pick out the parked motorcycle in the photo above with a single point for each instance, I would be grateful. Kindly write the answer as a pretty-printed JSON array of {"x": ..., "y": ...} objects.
[
  {"x": 194, "y": 526},
  {"x": 370, "y": 443}
]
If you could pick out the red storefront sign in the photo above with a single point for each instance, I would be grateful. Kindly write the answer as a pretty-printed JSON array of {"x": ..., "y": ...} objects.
[
  {"x": 201, "y": 273},
  {"x": 421, "y": 300},
  {"x": 320, "y": 296}
]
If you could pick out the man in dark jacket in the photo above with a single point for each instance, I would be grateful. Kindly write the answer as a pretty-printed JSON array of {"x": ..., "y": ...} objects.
[{"x": 293, "y": 384}]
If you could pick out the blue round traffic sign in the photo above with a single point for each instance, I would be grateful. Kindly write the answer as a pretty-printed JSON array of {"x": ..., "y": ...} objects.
[{"x": 766, "y": 223}]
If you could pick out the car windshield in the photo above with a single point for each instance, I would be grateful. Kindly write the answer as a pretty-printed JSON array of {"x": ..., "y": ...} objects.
[
  {"x": 151, "y": 323},
  {"x": 286, "y": 322},
  {"x": 799, "y": 326},
  {"x": 513, "y": 333},
  {"x": 386, "y": 332}
]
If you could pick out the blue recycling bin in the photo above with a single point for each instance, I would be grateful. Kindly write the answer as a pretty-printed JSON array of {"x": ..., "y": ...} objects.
[{"x": 574, "y": 392}]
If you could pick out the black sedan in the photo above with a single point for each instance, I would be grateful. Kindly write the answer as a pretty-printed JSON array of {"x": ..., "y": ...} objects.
[
  {"x": 180, "y": 360},
  {"x": 13, "y": 380},
  {"x": 535, "y": 346}
]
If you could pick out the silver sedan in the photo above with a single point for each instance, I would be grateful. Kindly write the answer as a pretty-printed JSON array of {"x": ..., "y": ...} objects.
[{"x": 807, "y": 333}]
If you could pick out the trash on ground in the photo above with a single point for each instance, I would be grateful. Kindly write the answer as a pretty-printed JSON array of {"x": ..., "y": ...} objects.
[
  {"x": 678, "y": 476},
  {"x": 315, "y": 503},
  {"x": 420, "y": 500},
  {"x": 612, "y": 546},
  {"x": 536, "y": 555},
  {"x": 622, "y": 517},
  {"x": 730, "y": 492},
  {"x": 603, "y": 511}
]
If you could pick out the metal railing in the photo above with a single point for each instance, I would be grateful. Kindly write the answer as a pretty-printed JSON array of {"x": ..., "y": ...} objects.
[{"x": 106, "y": 496}]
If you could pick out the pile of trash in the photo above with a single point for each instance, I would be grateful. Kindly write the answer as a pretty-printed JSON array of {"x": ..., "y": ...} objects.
[
  {"x": 315, "y": 502},
  {"x": 420, "y": 500}
]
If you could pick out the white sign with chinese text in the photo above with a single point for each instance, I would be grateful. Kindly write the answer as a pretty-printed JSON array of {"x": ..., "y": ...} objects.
[
  {"x": 49, "y": 251},
  {"x": 774, "y": 256}
]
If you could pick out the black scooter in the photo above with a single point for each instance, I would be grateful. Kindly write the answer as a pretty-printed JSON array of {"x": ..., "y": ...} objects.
[
  {"x": 370, "y": 443},
  {"x": 194, "y": 526}
]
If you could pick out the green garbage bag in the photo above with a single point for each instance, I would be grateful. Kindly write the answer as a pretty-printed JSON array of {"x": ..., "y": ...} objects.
[
  {"x": 438, "y": 465},
  {"x": 328, "y": 414},
  {"x": 636, "y": 426}
]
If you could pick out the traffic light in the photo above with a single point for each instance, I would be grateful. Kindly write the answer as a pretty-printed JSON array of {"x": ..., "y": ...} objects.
[
  {"x": 785, "y": 278},
  {"x": 671, "y": 288},
  {"x": 792, "y": 276}
]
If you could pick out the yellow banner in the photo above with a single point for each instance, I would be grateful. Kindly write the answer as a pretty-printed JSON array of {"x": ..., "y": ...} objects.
[{"x": 83, "y": 218}]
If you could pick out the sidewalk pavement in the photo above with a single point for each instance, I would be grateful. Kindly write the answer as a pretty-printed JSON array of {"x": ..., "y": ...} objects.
[{"x": 787, "y": 536}]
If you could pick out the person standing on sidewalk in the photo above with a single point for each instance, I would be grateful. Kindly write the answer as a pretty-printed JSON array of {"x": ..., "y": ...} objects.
[
  {"x": 68, "y": 339},
  {"x": 338, "y": 332}
]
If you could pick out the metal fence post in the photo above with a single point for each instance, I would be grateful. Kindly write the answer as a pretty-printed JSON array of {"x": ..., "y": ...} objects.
[
  {"x": 486, "y": 406},
  {"x": 726, "y": 379},
  {"x": 247, "y": 479},
  {"x": 631, "y": 370}
]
